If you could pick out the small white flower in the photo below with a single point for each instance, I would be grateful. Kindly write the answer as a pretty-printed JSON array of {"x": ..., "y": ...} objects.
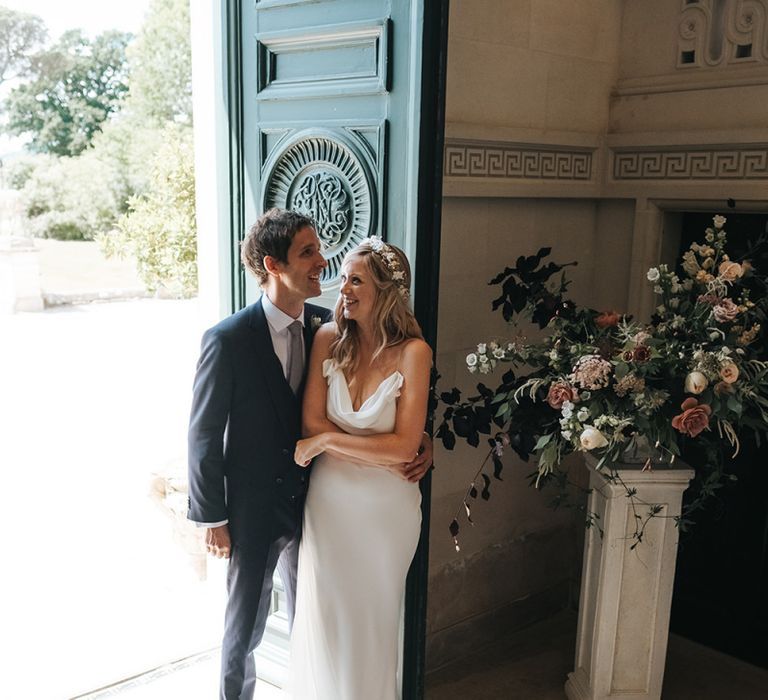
[
  {"x": 315, "y": 322},
  {"x": 657, "y": 289},
  {"x": 710, "y": 237},
  {"x": 483, "y": 359},
  {"x": 485, "y": 368},
  {"x": 567, "y": 412},
  {"x": 568, "y": 405},
  {"x": 481, "y": 348},
  {"x": 583, "y": 414},
  {"x": 398, "y": 275},
  {"x": 661, "y": 310},
  {"x": 498, "y": 353},
  {"x": 567, "y": 434},
  {"x": 591, "y": 438},
  {"x": 585, "y": 395},
  {"x": 719, "y": 221},
  {"x": 674, "y": 303},
  {"x": 493, "y": 345},
  {"x": 653, "y": 274},
  {"x": 471, "y": 360}
]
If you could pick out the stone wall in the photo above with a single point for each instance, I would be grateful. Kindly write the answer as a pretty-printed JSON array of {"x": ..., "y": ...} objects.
[{"x": 579, "y": 126}]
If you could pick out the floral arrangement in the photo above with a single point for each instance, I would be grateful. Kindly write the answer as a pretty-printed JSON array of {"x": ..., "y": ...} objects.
[{"x": 694, "y": 378}]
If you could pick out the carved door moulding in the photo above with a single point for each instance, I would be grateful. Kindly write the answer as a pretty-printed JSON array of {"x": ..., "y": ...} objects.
[
  {"x": 348, "y": 58},
  {"x": 733, "y": 162},
  {"x": 324, "y": 174},
  {"x": 516, "y": 161}
]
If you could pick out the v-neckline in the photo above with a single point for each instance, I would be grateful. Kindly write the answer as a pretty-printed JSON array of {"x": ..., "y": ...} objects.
[{"x": 375, "y": 391}]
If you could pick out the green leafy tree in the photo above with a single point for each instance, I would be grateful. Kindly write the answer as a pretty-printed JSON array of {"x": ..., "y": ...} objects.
[
  {"x": 159, "y": 229},
  {"x": 68, "y": 198},
  {"x": 21, "y": 36},
  {"x": 73, "y": 88},
  {"x": 160, "y": 62}
]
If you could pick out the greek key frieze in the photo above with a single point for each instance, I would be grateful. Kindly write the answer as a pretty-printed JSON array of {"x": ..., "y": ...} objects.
[
  {"x": 694, "y": 164},
  {"x": 516, "y": 161}
]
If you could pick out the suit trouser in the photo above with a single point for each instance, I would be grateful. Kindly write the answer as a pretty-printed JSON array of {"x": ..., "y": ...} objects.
[{"x": 249, "y": 589}]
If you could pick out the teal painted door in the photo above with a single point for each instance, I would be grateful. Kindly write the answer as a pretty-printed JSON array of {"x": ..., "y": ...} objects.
[
  {"x": 336, "y": 111},
  {"x": 330, "y": 118}
]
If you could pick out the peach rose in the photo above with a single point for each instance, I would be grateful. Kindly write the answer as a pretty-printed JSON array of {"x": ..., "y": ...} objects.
[
  {"x": 607, "y": 319},
  {"x": 558, "y": 394},
  {"x": 729, "y": 372},
  {"x": 693, "y": 419},
  {"x": 730, "y": 271}
]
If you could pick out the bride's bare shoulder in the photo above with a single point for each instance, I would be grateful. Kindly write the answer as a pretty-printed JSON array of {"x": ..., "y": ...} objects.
[{"x": 416, "y": 351}]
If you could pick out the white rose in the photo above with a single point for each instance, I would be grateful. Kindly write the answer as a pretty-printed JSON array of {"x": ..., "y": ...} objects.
[
  {"x": 695, "y": 382},
  {"x": 567, "y": 412},
  {"x": 481, "y": 348},
  {"x": 653, "y": 274},
  {"x": 719, "y": 221},
  {"x": 591, "y": 438},
  {"x": 471, "y": 359}
]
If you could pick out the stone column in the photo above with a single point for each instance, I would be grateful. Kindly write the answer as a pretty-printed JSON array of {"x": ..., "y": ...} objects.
[
  {"x": 626, "y": 594},
  {"x": 19, "y": 275}
]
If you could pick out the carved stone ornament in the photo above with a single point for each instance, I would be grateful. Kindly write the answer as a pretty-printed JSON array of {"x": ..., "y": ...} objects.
[{"x": 324, "y": 176}]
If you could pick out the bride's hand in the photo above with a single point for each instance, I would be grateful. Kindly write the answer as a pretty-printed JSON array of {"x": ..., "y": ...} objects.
[{"x": 307, "y": 449}]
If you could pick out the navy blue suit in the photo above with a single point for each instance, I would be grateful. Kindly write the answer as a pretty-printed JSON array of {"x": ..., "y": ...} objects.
[{"x": 243, "y": 429}]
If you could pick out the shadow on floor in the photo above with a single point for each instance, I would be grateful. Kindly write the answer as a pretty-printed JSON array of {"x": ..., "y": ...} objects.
[{"x": 533, "y": 664}]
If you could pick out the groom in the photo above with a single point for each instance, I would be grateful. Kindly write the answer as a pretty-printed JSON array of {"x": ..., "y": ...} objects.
[{"x": 244, "y": 486}]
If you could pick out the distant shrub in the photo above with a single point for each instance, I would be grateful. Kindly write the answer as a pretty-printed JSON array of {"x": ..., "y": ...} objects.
[
  {"x": 159, "y": 228},
  {"x": 67, "y": 198}
]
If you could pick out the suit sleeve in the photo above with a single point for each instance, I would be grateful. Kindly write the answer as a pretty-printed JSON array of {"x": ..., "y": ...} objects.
[{"x": 211, "y": 401}]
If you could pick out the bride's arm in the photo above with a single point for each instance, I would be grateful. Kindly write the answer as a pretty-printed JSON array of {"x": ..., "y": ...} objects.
[
  {"x": 314, "y": 418},
  {"x": 384, "y": 449}
]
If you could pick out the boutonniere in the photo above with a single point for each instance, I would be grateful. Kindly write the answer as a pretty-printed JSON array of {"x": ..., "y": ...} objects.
[{"x": 315, "y": 322}]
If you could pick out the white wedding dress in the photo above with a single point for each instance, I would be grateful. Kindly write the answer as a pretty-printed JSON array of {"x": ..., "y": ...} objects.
[{"x": 361, "y": 528}]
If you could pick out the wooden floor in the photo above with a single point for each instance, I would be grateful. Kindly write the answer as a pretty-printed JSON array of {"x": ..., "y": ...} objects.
[{"x": 533, "y": 665}]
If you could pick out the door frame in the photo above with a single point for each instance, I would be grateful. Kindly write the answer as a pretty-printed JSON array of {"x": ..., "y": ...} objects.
[{"x": 220, "y": 184}]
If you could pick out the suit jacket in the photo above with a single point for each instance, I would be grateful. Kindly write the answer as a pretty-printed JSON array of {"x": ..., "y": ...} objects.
[{"x": 244, "y": 425}]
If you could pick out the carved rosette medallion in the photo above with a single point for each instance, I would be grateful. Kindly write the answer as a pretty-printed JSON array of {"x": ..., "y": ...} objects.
[{"x": 325, "y": 178}]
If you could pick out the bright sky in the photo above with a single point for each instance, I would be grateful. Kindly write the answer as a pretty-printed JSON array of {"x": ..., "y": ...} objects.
[{"x": 94, "y": 16}]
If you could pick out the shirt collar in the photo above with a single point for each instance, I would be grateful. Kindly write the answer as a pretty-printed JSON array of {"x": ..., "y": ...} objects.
[{"x": 277, "y": 319}]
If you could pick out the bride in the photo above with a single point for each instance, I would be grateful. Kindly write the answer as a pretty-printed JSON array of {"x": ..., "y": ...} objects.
[{"x": 365, "y": 407}]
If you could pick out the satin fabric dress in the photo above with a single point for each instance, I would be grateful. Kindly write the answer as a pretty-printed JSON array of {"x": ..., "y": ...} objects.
[{"x": 361, "y": 528}]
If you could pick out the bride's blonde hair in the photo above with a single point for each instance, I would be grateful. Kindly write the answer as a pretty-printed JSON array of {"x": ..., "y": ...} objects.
[{"x": 393, "y": 320}]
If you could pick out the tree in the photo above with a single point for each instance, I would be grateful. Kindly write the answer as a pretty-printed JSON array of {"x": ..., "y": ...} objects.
[
  {"x": 160, "y": 62},
  {"x": 21, "y": 35},
  {"x": 159, "y": 229},
  {"x": 74, "y": 86}
]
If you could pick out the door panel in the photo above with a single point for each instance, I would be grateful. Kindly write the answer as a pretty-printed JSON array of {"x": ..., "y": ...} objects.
[
  {"x": 337, "y": 111},
  {"x": 330, "y": 118}
]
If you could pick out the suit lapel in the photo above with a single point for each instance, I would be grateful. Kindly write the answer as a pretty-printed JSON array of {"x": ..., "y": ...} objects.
[{"x": 285, "y": 402}]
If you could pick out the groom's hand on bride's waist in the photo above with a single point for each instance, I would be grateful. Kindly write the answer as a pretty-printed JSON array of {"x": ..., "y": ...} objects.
[{"x": 416, "y": 469}]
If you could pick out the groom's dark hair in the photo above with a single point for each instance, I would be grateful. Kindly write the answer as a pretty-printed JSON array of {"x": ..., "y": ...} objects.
[{"x": 272, "y": 235}]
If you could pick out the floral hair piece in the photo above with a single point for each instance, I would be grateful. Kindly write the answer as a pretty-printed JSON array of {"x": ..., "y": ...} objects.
[{"x": 392, "y": 263}]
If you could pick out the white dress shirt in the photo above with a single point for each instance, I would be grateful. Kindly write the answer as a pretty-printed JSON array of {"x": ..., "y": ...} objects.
[{"x": 277, "y": 322}]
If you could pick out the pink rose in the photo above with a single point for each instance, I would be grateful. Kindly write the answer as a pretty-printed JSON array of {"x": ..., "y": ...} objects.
[
  {"x": 558, "y": 394},
  {"x": 725, "y": 311},
  {"x": 693, "y": 419}
]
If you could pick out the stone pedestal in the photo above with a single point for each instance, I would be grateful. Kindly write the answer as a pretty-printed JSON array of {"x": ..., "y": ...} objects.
[
  {"x": 19, "y": 275},
  {"x": 626, "y": 594}
]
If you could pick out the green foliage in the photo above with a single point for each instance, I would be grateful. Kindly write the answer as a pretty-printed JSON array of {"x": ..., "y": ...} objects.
[
  {"x": 159, "y": 228},
  {"x": 73, "y": 88},
  {"x": 67, "y": 198},
  {"x": 161, "y": 65},
  {"x": 21, "y": 35}
]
